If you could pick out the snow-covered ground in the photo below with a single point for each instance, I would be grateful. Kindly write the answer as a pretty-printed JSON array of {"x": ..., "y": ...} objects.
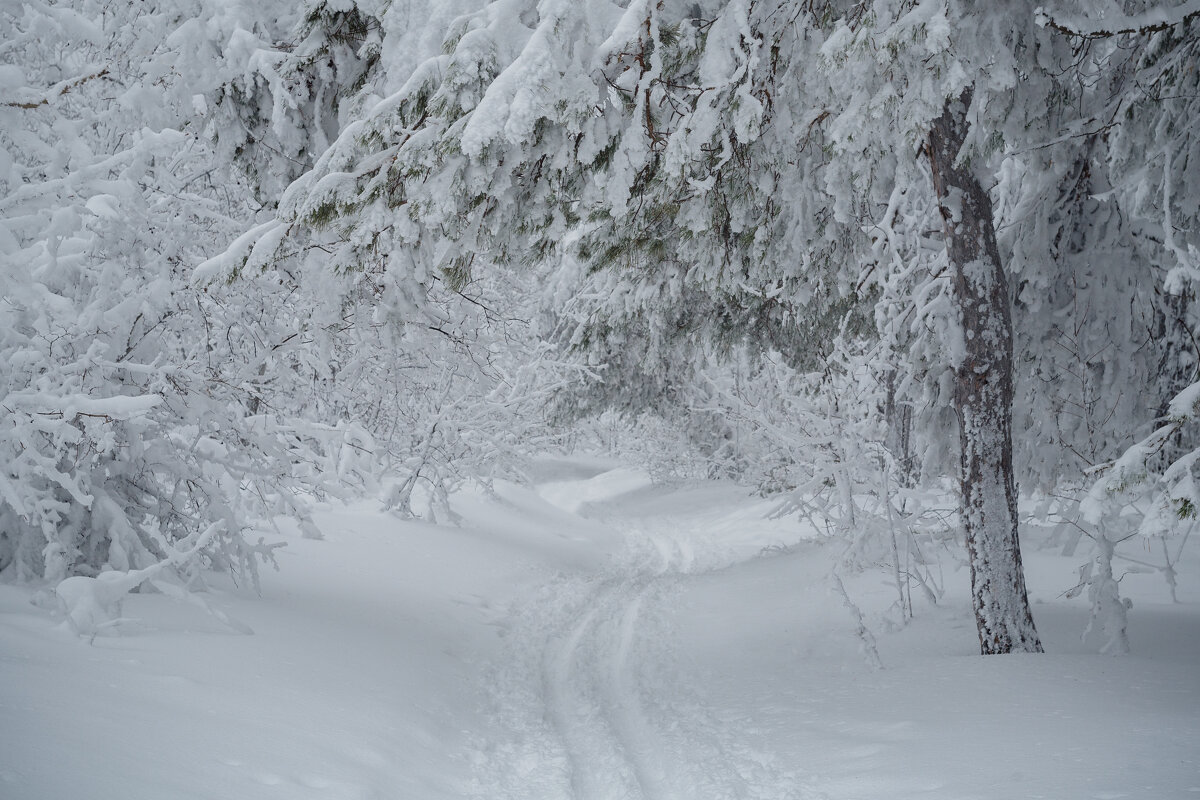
[{"x": 593, "y": 637}]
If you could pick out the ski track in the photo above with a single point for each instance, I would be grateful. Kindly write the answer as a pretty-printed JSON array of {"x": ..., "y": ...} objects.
[{"x": 601, "y": 734}]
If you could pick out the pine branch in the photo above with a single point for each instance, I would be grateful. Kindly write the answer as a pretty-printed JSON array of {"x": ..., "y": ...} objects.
[
  {"x": 1147, "y": 22},
  {"x": 57, "y": 90}
]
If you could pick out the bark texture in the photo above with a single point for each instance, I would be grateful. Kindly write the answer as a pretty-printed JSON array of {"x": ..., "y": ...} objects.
[{"x": 984, "y": 391}]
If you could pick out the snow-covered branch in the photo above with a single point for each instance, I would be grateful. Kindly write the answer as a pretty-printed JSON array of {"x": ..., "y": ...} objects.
[{"x": 1150, "y": 21}]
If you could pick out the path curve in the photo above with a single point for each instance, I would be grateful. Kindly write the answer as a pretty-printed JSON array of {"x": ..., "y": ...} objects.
[{"x": 591, "y": 696}]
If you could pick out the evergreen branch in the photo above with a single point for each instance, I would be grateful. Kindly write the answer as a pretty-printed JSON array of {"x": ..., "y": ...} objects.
[
  {"x": 57, "y": 90},
  {"x": 1150, "y": 21}
]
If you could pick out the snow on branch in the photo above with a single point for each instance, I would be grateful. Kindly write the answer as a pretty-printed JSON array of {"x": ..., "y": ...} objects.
[
  {"x": 253, "y": 248},
  {"x": 57, "y": 90},
  {"x": 66, "y": 406},
  {"x": 1173, "y": 490},
  {"x": 92, "y": 604},
  {"x": 1156, "y": 19}
]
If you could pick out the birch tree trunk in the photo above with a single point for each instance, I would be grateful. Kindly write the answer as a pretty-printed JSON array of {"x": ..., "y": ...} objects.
[{"x": 984, "y": 392}]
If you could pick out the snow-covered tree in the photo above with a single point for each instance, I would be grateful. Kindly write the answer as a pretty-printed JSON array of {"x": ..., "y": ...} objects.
[
  {"x": 698, "y": 185},
  {"x": 963, "y": 192},
  {"x": 129, "y": 422},
  {"x": 436, "y": 360}
]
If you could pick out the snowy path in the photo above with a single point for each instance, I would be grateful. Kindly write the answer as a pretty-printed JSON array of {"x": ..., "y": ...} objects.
[
  {"x": 705, "y": 659},
  {"x": 594, "y": 638},
  {"x": 592, "y": 673},
  {"x": 615, "y": 717}
]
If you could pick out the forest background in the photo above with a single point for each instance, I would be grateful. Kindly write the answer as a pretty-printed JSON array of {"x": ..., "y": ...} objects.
[{"x": 254, "y": 254}]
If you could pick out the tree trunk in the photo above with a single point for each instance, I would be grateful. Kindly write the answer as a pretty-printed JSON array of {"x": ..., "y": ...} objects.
[
  {"x": 898, "y": 440},
  {"x": 983, "y": 392}
]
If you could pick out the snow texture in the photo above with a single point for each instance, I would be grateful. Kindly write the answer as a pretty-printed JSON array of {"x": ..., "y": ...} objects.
[{"x": 670, "y": 643}]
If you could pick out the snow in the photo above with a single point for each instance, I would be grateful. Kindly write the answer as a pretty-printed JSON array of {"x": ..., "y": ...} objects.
[
  {"x": 1184, "y": 404},
  {"x": 572, "y": 495},
  {"x": 1156, "y": 16},
  {"x": 592, "y": 636},
  {"x": 626, "y": 30},
  {"x": 118, "y": 407},
  {"x": 226, "y": 264},
  {"x": 92, "y": 604}
]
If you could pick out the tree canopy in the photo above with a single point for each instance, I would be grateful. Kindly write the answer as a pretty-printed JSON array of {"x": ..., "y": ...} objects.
[{"x": 421, "y": 238}]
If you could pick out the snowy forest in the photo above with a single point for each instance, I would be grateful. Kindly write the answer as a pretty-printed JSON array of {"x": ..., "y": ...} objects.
[{"x": 588, "y": 353}]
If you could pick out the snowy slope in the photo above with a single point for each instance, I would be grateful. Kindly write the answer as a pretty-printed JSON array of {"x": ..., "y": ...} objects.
[{"x": 598, "y": 637}]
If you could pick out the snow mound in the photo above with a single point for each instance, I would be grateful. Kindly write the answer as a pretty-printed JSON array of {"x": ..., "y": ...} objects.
[{"x": 573, "y": 495}]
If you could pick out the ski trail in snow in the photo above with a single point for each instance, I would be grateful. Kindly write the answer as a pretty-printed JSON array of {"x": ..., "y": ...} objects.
[
  {"x": 593, "y": 703},
  {"x": 608, "y": 721}
]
